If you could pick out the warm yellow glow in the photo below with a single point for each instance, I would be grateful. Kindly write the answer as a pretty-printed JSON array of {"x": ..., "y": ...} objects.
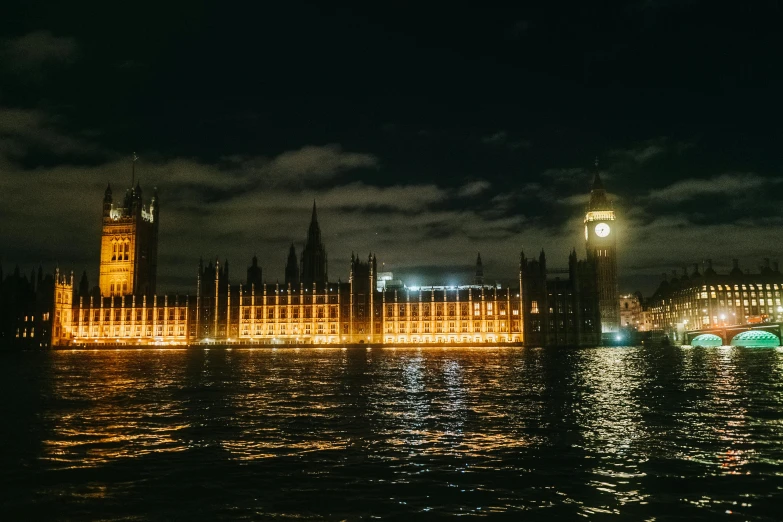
[{"x": 600, "y": 215}]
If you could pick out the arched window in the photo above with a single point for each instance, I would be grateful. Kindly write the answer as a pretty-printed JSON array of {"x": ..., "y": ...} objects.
[
  {"x": 113, "y": 251},
  {"x": 127, "y": 250}
]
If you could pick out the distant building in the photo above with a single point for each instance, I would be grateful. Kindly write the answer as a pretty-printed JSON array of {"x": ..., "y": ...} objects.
[
  {"x": 704, "y": 300},
  {"x": 631, "y": 312}
]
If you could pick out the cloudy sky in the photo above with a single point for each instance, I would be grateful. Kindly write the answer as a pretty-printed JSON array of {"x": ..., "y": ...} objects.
[{"x": 424, "y": 134}]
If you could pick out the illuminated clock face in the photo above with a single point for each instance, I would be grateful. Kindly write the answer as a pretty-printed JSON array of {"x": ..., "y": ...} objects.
[{"x": 602, "y": 230}]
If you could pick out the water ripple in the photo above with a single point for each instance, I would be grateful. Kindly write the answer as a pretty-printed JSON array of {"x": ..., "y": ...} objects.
[{"x": 628, "y": 433}]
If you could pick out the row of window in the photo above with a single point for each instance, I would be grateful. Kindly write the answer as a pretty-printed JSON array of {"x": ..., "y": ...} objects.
[
  {"x": 22, "y": 332},
  {"x": 131, "y": 314},
  {"x": 283, "y": 312},
  {"x": 120, "y": 250},
  {"x": 451, "y": 339},
  {"x": 451, "y": 309},
  {"x": 287, "y": 329},
  {"x": 752, "y": 286},
  {"x": 118, "y": 289},
  {"x": 714, "y": 295},
  {"x": 127, "y": 331},
  {"x": 451, "y": 327}
]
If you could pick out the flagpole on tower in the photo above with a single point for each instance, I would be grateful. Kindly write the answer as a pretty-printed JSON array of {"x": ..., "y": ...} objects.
[{"x": 133, "y": 170}]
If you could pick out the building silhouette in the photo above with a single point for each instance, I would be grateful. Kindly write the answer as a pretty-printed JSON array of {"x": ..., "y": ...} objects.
[
  {"x": 314, "y": 262},
  {"x": 292, "y": 267}
]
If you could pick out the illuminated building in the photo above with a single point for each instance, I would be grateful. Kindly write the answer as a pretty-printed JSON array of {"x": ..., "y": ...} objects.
[
  {"x": 129, "y": 244},
  {"x": 601, "y": 242},
  {"x": 699, "y": 301},
  {"x": 541, "y": 310},
  {"x": 631, "y": 313}
]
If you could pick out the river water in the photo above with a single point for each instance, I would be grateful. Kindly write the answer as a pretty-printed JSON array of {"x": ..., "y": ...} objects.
[{"x": 332, "y": 434}]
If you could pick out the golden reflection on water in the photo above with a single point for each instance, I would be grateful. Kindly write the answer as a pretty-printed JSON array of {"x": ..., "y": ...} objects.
[
  {"x": 99, "y": 419},
  {"x": 614, "y": 434},
  {"x": 605, "y": 419}
]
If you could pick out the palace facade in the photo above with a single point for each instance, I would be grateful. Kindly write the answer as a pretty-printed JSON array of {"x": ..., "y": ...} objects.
[{"x": 574, "y": 306}]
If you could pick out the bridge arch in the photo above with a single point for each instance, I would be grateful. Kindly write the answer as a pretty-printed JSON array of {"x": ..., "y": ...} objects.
[
  {"x": 707, "y": 340},
  {"x": 755, "y": 339}
]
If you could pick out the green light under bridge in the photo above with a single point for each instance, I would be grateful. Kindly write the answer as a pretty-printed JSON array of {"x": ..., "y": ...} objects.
[{"x": 706, "y": 340}]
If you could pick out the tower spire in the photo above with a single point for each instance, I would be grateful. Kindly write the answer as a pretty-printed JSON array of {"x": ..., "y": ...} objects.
[
  {"x": 598, "y": 199},
  {"x": 313, "y": 261},
  {"x": 479, "y": 277},
  {"x": 597, "y": 183},
  {"x": 314, "y": 217},
  {"x": 133, "y": 170}
]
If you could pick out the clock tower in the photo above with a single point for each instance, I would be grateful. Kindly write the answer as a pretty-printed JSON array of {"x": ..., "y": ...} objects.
[{"x": 601, "y": 239}]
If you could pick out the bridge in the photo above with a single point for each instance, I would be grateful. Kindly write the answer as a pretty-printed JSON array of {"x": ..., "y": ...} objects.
[{"x": 730, "y": 334}]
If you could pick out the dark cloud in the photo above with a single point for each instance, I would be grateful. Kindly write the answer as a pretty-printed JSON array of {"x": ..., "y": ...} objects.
[
  {"x": 501, "y": 138},
  {"x": 704, "y": 191},
  {"x": 239, "y": 129},
  {"x": 474, "y": 188},
  {"x": 34, "y": 53},
  {"x": 25, "y": 132}
]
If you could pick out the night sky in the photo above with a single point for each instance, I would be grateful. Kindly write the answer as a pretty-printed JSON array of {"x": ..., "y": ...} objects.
[{"x": 425, "y": 134}]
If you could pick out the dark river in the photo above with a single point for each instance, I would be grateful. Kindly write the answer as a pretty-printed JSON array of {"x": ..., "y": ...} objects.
[{"x": 333, "y": 434}]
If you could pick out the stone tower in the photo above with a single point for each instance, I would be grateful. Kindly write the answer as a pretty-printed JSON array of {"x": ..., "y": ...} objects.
[
  {"x": 62, "y": 312},
  {"x": 129, "y": 244},
  {"x": 601, "y": 242}
]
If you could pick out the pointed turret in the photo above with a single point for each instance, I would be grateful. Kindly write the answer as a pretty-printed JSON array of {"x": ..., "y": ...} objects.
[
  {"x": 107, "y": 201},
  {"x": 292, "y": 267},
  {"x": 84, "y": 286},
  {"x": 313, "y": 262},
  {"x": 254, "y": 273},
  {"x": 478, "y": 279},
  {"x": 314, "y": 231}
]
